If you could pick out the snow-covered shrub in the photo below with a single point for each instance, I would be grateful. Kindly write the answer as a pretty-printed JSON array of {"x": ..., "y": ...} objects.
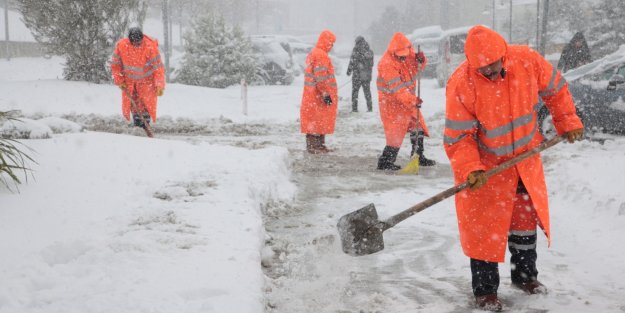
[
  {"x": 24, "y": 128},
  {"x": 59, "y": 125},
  {"x": 216, "y": 55},
  {"x": 12, "y": 158}
]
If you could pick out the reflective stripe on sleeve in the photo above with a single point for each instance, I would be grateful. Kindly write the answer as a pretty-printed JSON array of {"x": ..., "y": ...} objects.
[{"x": 461, "y": 125}]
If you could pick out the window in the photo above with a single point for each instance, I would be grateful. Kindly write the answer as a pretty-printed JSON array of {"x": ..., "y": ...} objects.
[
  {"x": 605, "y": 75},
  {"x": 456, "y": 43},
  {"x": 621, "y": 71}
]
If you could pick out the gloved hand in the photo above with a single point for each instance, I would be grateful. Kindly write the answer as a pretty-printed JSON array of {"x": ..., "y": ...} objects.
[
  {"x": 122, "y": 86},
  {"x": 418, "y": 102},
  {"x": 327, "y": 99},
  {"x": 476, "y": 179},
  {"x": 420, "y": 57},
  {"x": 349, "y": 72},
  {"x": 160, "y": 91},
  {"x": 573, "y": 135}
]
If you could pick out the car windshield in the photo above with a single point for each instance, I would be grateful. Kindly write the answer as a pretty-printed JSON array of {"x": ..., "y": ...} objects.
[
  {"x": 264, "y": 47},
  {"x": 428, "y": 46},
  {"x": 456, "y": 43},
  {"x": 603, "y": 68}
]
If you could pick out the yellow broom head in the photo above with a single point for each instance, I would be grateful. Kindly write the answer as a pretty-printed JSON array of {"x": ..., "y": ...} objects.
[{"x": 412, "y": 168}]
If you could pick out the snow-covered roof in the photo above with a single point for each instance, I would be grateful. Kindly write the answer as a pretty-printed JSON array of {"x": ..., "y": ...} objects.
[
  {"x": 433, "y": 31},
  {"x": 457, "y": 30}
]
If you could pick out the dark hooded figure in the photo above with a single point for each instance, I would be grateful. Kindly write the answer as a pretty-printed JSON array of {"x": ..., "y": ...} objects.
[
  {"x": 575, "y": 53},
  {"x": 361, "y": 64}
]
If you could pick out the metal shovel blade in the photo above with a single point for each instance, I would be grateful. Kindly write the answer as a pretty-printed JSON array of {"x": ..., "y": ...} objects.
[{"x": 361, "y": 232}]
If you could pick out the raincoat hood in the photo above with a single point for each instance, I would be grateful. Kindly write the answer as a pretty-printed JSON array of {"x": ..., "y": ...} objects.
[
  {"x": 399, "y": 45},
  {"x": 484, "y": 46},
  {"x": 579, "y": 36},
  {"x": 326, "y": 40}
]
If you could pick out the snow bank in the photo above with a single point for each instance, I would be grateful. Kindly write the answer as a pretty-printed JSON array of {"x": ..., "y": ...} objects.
[{"x": 128, "y": 224}]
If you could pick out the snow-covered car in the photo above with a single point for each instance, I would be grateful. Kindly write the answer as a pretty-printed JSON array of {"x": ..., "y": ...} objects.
[
  {"x": 451, "y": 53},
  {"x": 429, "y": 46},
  {"x": 428, "y": 39},
  {"x": 275, "y": 58},
  {"x": 598, "y": 89}
]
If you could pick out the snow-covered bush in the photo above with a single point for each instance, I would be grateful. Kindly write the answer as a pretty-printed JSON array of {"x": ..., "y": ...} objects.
[
  {"x": 25, "y": 128},
  {"x": 216, "y": 55},
  {"x": 60, "y": 126},
  {"x": 12, "y": 158},
  {"x": 83, "y": 31}
]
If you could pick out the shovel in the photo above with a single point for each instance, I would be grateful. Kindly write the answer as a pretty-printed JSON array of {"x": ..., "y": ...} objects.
[
  {"x": 361, "y": 231},
  {"x": 135, "y": 108}
]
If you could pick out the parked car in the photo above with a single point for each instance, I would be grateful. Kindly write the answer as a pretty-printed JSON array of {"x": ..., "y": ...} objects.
[
  {"x": 451, "y": 52},
  {"x": 598, "y": 89},
  {"x": 429, "y": 46},
  {"x": 275, "y": 58},
  {"x": 427, "y": 39},
  {"x": 301, "y": 48}
]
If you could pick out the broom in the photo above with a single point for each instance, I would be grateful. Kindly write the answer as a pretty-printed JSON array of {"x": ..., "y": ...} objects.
[{"x": 413, "y": 165}]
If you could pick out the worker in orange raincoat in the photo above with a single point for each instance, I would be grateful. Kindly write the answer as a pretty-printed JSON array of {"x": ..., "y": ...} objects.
[
  {"x": 138, "y": 70},
  {"x": 491, "y": 117},
  {"x": 320, "y": 98},
  {"x": 397, "y": 79}
]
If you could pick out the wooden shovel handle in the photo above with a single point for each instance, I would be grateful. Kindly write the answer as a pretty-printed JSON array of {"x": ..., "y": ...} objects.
[{"x": 393, "y": 220}]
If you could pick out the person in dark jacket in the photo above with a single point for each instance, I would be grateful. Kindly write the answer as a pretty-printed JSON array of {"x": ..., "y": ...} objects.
[
  {"x": 361, "y": 64},
  {"x": 575, "y": 53}
]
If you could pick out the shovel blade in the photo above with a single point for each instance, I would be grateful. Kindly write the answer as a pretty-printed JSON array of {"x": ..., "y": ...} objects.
[{"x": 361, "y": 232}]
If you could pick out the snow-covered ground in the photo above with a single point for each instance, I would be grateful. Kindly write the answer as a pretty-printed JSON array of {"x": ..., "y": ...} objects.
[{"x": 224, "y": 212}]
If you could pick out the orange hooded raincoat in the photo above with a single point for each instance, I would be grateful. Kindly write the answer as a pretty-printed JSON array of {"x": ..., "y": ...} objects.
[
  {"x": 397, "y": 81},
  {"x": 316, "y": 117},
  {"x": 489, "y": 122},
  {"x": 141, "y": 70}
]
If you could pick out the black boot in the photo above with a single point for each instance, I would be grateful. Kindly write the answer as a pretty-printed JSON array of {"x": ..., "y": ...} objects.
[
  {"x": 423, "y": 161},
  {"x": 388, "y": 157},
  {"x": 522, "y": 246}
]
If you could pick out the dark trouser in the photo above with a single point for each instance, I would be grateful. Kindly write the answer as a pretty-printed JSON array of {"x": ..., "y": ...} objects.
[
  {"x": 416, "y": 138},
  {"x": 485, "y": 277},
  {"x": 136, "y": 119},
  {"x": 366, "y": 88},
  {"x": 139, "y": 112},
  {"x": 522, "y": 247}
]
